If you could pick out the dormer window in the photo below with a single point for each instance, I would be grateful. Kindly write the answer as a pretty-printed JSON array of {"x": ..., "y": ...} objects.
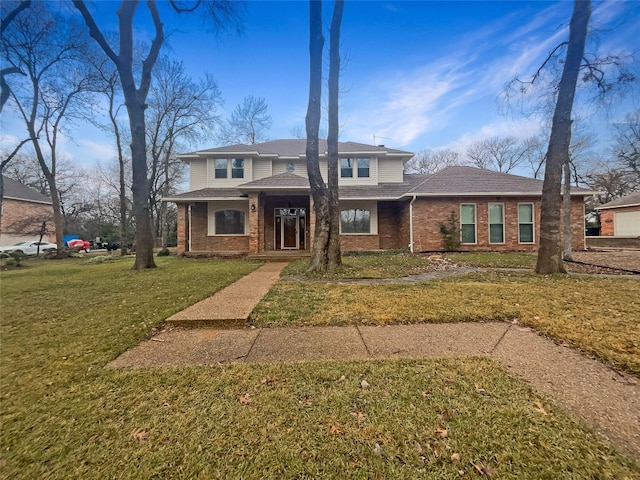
[
  {"x": 229, "y": 168},
  {"x": 359, "y": 166}
]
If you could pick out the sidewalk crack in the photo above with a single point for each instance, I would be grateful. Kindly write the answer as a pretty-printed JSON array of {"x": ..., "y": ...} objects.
[
  {"x": 366, "y": 347},
  {"x": 504, "y": 334},
  {"x": 253, "y": 344}
]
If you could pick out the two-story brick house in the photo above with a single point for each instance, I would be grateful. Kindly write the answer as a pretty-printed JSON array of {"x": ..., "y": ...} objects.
[{"x": 254, "y": 199}]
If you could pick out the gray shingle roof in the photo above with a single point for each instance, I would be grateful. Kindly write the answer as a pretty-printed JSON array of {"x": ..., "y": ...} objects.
[
  {"x": 296, "y": 148},
  {"x": 206, "y": 194},
  {"x": 627, "y": 201},
  {"x": 282, "y": 180},
  {"x": 17, "y": 191},
  {"x": 468, "y": 181}
]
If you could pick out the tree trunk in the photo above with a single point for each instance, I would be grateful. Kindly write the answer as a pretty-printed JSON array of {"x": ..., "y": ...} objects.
[
  {"x": 566, "y": 211},
  {"x": 550, "y": 251},
  {"x": 334, "y": 257},
  {"x": 140, "y": 188},
  {"x": 318, "y": 262}
]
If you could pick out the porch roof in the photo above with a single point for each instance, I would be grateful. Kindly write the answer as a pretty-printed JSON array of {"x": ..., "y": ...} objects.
[{"x": 205, "y": 194}]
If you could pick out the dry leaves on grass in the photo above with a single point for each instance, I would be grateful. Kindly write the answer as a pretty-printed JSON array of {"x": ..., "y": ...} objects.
[
  {"x": 245, "y": 399},
  {"x": 442, "y": 432},
  {"x": 335, "y": 430},
  {"x": 540, "y": 408},
  {"x": 483, "y": 469},
  {"x": 269, "y": 381},
  {"x": 139, "y": 434}
]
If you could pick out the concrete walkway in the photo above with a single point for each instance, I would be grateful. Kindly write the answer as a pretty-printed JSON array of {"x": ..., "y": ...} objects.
[
  {"x": 233, "y": 304},
  {"x": 606, "y": 400}
]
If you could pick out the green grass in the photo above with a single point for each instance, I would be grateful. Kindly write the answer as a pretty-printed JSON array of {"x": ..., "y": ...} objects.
[{"x": 65, "y": 416}]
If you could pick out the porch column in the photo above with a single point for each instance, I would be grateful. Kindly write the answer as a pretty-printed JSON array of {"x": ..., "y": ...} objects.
[
  {"x": 183, "y": 228},
  {"x": 254, "y": 223}
]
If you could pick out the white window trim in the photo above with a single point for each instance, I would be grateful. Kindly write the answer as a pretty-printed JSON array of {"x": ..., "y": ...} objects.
[
  {"x": 354, "y": 168},
  {"x": 371, "y": 206},
  {"x": 533, "y": 222},
  {"x": 475, "y": 223},
  {"x": 229, "y": 176},
  {"x": 214, "y": 207},
  {"x": 504, "y": 233}
]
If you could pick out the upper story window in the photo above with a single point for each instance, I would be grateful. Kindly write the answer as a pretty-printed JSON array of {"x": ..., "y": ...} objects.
[
  {"x": 221, "y": 167},
  {"x": 229, "y": 168},
  {"x": 359, "y": 166},
  {"x": 363, "y": 168},
  {"x": 346, "y": 167}
]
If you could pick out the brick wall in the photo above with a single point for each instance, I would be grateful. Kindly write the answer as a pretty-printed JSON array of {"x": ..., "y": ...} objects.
[
  {"x": 24, "y": 219},
  {"x": 393, "y": 225},
  {"x": 429, "y": 212},
  {"x": 351, "y": 243}
]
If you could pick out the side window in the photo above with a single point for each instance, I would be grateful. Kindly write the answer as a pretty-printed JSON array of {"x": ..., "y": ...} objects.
[
  {"x": 346, "y": 167},
  {"x": 221, "y": 168},
  {"x": 229, "y": 222},
  {"x": 468, "y": 223},
  {"x": 355, "y": 220}
]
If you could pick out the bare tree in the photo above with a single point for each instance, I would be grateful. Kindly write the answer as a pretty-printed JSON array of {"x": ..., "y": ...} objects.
[
  {"x": 550, "y": 252},
  {"x": 50, "y": 53},
  {"x": 181, "y": 112},
  {"x": 135, "y": 95},
  {"x": 249, "y": 122},
  {"x": 498, "y": 154},
  {"x": 432, "y": 161},
  {"x": 325, "y": 253},
  {"x": 7, "y": 18},
  {"x": 627, "y": 147}
]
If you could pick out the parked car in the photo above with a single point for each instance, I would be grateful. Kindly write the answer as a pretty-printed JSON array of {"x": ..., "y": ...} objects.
[
  {"x": 77, "y": 244},
  {"x": 29, "y": 248}
]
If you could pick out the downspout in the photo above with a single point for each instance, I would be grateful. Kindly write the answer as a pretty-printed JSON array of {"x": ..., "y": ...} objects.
[
  {"x": 411, "y": 223},
  {"x": 189, "y": 231}
]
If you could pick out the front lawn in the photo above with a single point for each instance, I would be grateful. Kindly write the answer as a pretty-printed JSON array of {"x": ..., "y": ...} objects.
[
  {"x": 597, "y": 315},
  {"x": 65, "y": 416}
]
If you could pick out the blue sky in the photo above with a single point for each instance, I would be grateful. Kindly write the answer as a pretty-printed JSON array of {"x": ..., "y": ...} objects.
[{"x": 416, "y": 74}]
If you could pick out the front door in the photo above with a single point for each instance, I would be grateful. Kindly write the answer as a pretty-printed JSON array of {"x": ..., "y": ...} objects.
[{"x": 290, "y": 228}]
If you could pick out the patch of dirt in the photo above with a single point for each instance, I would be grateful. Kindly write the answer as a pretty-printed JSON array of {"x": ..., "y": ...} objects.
[{"x": 619, "y": 262}]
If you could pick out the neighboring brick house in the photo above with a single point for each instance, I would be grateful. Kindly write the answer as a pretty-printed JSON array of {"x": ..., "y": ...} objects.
[
  {"x": 23, "y": 212},
  {"x": 255, "y": 199},
  {"x": 621, "y": 217}
]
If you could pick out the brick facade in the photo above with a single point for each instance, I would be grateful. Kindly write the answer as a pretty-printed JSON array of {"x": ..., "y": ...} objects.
[
  {"x": 393, "y": 225},
  {"x": 429, "y": 212},
  {"x": 22, "y": 220}
]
